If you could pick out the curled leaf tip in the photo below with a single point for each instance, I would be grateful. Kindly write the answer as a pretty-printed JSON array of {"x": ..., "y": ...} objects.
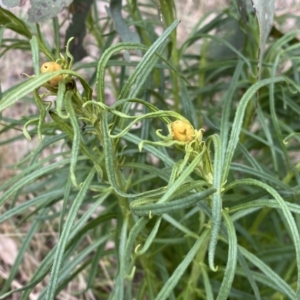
[
  {"x": 141, "y": 146},
  {"x": 214, "y": 269},
  {"x": 137, "y": 248}
]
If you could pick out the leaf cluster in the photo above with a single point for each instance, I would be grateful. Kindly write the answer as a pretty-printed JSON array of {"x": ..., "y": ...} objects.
[{"x": 211, "y": 218}]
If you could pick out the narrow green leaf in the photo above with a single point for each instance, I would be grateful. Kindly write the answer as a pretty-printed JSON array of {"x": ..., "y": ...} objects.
[
  {"x": 133, "y": 234},
  {"x": 9, "y": 20},
  {"x": 265, "y": 13},
  {"x": 216, "y": 198},
  {"x": 45, "y": 199},
  {"x": 142, "y": 69},
  {"x": 153, "y": 150},
  {"x": 278, "y": 283},
  {"x": 35, "y": 54},
  {"x": 31, "y": 177},
  {"x": 207, "y": 285},
  {"x": 175, "y": 277},
  {"x": 179, "y": 226},
  {"x": 238, "y": 120},
  {"x": 288, "y": 217},
  {"x": 248, "y": 274},
  {"x": 118, "y": 292},
  {"x": 231, "y": 261},
  {"x": 100, "y": 85},
  {"x": 77, "y": 232},
  {"x": 66, "y": 198},
  {"x": 62, "y": 97},
  {"x": 66, "y": 235},
  {"x": 76, "y": 261},
  {"x": 260, "y": 203},
  {"x": 76, "y": 137},
  {"x": 109, "y": 154},
  {"x": 27, "y": 87},
  {"x": 160, "y": 208},
  {"x": 150, "y": 238},
  {"x": 227, "y": 100}
]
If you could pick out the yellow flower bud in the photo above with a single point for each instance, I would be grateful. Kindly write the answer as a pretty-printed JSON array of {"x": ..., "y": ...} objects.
[
  {"x": 52, "y": 67},
  {"x": 182, "y": 131}
]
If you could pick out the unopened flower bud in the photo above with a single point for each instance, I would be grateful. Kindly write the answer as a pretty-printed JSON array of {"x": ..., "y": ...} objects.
[
  {"x": 52, "y": 66},
  {"x": 182, "y": 131}
]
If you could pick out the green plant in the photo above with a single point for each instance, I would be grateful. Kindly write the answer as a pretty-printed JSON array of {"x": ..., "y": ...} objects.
[{"x": 191, "y": 213}]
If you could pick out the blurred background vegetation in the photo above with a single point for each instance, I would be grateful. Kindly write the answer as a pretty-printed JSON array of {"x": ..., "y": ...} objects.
[{"x": 219, "y": 51}]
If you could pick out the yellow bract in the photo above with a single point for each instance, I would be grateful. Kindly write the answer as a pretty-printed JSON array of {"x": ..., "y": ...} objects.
[
  {"x": 52, "y": 67},
  {"x": 182, "y": 131}
]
